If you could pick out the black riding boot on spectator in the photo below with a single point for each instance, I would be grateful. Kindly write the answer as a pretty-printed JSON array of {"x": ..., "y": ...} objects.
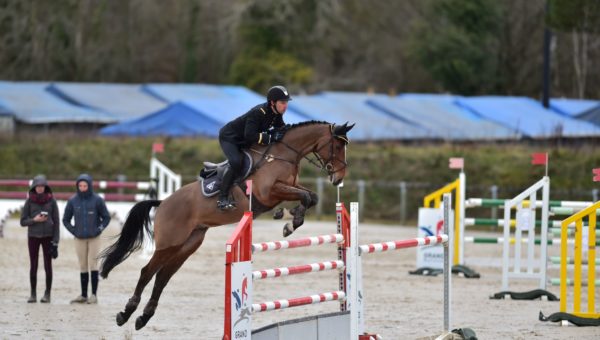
[
  {"x": 225, "y": 203},
  {"x": 33, "y": 283}
]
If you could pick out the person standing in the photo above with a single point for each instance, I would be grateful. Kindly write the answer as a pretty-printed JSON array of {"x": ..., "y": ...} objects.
[
  {"x": 40, "y": 216},
  {"x": 91, "y": 218}
]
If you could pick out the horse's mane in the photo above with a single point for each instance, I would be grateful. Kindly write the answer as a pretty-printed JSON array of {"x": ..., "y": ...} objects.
[{"x": 309, "y": 122}]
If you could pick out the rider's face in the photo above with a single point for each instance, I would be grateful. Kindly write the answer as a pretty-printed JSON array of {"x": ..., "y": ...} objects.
[{"x": 281, "y": 106}]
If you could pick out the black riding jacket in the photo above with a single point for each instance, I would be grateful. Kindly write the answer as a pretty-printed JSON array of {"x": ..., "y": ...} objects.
[{"x": 245, "y": 130}]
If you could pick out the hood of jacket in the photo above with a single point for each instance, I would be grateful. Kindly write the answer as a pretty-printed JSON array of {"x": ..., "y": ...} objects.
[
  {"x": 39, "y": 180},
  {"x": 44, "y": 197},
  {"x": 88, "y": 179}
]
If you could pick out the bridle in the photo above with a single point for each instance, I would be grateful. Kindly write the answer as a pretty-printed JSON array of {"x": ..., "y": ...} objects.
[
  {"x": 327, "y": 164},
  {"x": 320, "y": 163}
]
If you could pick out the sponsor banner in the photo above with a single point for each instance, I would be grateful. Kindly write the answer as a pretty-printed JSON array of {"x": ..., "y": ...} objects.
[
  {"x": 431, "y": 223},
  {"x": 241, "y": 300}
]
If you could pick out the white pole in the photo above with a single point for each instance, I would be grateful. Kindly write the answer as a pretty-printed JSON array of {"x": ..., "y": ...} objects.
[
  {"x": 447, "y": 262},
  {"x": 353, "y": 272},
  {"x": 461, "y": 218}
]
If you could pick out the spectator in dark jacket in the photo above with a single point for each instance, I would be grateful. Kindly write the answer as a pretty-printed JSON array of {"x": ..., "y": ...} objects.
[
  {"x": 40, "y": 216},
  {"x": 91, "y": 218}
]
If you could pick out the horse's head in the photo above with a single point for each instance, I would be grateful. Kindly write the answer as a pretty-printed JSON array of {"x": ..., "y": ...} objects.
[{"x": 331, "y": 152}]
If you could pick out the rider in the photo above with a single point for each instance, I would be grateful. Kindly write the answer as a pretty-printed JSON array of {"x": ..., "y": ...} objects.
[{"x": 252, "y": 127}]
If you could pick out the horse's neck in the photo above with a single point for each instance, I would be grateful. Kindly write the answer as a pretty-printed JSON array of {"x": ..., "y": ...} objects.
[{"x": 305, "y": 139}]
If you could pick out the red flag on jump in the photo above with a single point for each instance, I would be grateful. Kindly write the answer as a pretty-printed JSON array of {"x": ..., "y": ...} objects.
[
  {"x": 456, "y": 163},
  {"x": 158, "y": 148},
  {"x": 249, "y": 187},
  {"x": 596, "y": 173},
  {"x": 539, "y": 158}
]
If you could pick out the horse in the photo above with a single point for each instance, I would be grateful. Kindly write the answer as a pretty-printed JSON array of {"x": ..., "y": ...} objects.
[{"x": 182, "y": 219}]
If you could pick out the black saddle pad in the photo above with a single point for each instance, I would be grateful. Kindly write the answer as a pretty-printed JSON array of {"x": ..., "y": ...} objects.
[{"x": 211, "y": 175}]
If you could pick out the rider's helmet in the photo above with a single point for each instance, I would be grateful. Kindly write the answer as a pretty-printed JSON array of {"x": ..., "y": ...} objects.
[{"x": 278, "y": 93}]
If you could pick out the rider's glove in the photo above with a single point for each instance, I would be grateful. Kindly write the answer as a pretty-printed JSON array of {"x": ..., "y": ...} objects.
[
  {"x": 277, "y": 135},
  {"x": 264, "y": 138}
]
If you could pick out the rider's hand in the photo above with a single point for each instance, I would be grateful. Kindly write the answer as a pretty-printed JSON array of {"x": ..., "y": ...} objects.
[
  {"x": 264, "y": 138},
  {"x": 277, "y": 135}
]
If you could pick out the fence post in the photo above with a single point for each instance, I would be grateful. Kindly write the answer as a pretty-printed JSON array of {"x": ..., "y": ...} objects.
[
  {"x": 361, "y": 197},
  {"x": 319, "y": 206},
  {"x": 121, "y": 178},
  {"x": 494, "y": 194},
  {"x": 402, "y": 202}
]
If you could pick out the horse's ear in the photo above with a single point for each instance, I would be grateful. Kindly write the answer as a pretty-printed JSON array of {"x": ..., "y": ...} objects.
[{"x": 343, "y": 129}]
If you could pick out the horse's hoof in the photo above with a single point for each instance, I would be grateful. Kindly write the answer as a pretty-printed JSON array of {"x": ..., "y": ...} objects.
[
  {"x": 121, "y": 318},
  {"x": 141, "y": 321},
  {"x": 278, "y": 214},
  {"x": 288, "y": 230}
]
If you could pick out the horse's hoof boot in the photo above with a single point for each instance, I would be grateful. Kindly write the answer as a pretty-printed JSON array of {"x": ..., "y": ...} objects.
[
  {"x": 121, "y": 319},
  {"x": 140, "y": 322}
]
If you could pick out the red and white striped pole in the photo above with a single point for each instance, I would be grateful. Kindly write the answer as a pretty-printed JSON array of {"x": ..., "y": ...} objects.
[{"x": 303, "y": 242}]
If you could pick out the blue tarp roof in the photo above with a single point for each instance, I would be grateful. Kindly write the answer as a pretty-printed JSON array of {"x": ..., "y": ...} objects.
[
  {"x": 528, "y": 116},
  {"x": 221, "y": 102},
  {"x": 371, "y": 124},
  {"x": 178, "y": 119},
  {"x": 124, "y": 101},
  {"x": 572, "y": 107},
  {"x": 439, "y": 114},
  {"x": 179, "y": 92},
  {"x": 592, "y": 115},
  {"x": 224, "y": 110},
  {"x": 30, "y": 103}
]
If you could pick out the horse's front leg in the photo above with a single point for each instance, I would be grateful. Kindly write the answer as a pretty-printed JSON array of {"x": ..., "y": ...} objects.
[
  {"x": 306, "y": 197},
  {"x": 284, "y": 213}
]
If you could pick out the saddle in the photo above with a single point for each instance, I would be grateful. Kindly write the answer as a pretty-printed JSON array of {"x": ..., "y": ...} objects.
[{"x": 211, "y": 175}]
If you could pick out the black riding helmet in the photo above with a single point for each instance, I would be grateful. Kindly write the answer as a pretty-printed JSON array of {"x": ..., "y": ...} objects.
[{"x": 278, "y": 93}]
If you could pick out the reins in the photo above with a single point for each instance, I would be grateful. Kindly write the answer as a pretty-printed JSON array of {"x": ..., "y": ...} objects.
[{"x": 321, "y": 163}]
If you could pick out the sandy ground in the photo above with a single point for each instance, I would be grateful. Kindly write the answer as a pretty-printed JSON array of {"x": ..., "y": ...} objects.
[{"x": 398, "y": 305}]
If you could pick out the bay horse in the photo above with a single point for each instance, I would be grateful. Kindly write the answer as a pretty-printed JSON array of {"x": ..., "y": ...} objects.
[{"x": 181, "y": 220}]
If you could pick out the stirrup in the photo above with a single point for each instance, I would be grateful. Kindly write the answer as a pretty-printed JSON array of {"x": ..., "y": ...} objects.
[{"x": 226, "y": 204}]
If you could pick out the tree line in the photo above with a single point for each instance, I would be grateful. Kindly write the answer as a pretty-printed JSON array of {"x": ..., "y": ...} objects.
[{"x": 471, "y": 47}]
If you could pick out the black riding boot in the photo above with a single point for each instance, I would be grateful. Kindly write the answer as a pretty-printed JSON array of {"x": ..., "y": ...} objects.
[
  {"x": 32, "y": 283},
  {"x": 224, "y": 202},
  {"x": 84, "y": 278}
]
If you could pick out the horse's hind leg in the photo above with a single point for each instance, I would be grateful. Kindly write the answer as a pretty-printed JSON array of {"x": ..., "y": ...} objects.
[
  {"x": 146, "y": 274},
  {"x": 166, "y": 272}
]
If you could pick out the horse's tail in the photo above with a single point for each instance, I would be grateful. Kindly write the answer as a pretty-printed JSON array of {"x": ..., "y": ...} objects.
[{"x": 131, "y": 237}]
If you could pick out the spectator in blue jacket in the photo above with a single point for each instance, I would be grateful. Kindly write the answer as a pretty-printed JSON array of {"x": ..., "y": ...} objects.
[
  {"x": 40, "y": 216},
  {"x": 91, "y": 218}
]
